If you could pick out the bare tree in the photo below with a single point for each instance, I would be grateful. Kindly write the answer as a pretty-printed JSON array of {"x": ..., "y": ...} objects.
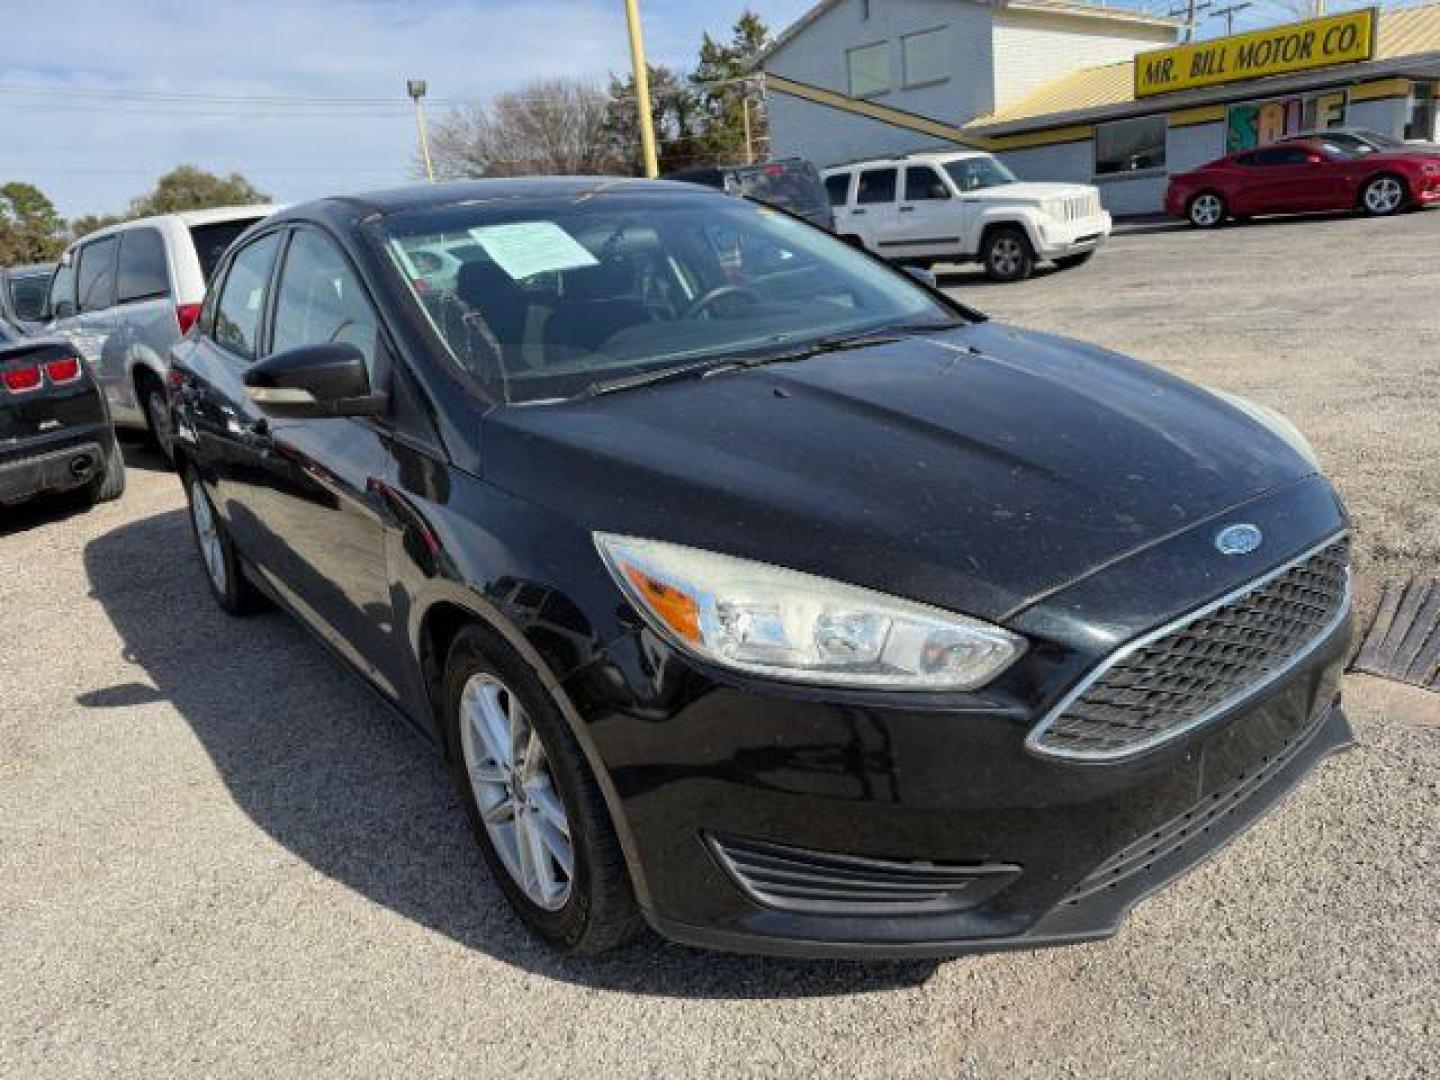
[{"x": 555, "y": 126}]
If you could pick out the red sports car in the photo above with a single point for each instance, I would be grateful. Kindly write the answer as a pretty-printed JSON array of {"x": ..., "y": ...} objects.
[{"x": 1299, "y": 177}]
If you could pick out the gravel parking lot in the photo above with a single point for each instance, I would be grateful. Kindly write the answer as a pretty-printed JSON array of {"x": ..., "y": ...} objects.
[{"x": 220, "y": 856}]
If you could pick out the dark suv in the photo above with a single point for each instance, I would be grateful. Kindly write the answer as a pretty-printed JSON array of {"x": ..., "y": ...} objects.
[{"x": 792, "y": 184}]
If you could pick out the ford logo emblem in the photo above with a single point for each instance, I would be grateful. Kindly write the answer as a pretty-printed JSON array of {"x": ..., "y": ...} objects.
[{"x": 1238, "y": 539}]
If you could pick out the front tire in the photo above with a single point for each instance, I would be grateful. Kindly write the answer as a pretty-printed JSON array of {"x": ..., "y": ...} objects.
[
  {"x": 1384, "y": 195},
  {"x": 533, "y": 803},
  {"x": 233, "y": 591},
  {"x": 1207, "y": 210},
  {"x": 1008, "y": 256}
]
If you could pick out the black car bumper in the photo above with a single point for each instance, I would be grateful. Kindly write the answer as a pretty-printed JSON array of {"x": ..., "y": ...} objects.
[
  {"x": 60, "y": 461},
  {"x": 861, "y": 801}
]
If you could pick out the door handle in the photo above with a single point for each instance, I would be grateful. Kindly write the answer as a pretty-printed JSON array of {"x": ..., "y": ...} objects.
[
  {"x": 857, "y": 213},
  {"x": 907, "y": 209}
]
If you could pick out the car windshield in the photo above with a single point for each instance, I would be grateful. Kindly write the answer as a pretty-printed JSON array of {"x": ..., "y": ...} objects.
[
  {"x": 972, "y": 174},
  {"x": 545, "y": 299}
]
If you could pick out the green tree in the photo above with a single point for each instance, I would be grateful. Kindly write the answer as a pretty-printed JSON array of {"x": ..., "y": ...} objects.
[
  {"x": 674, "y": 110},
  {"x": 187, "y": 187},
  {"x": 30, "y": 229},
  {"x": 720, "y": 81},
  {"x": 88, "y": 223}
]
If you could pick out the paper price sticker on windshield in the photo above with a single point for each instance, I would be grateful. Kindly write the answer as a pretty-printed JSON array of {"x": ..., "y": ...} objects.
[{"x": 526, "y": 248}]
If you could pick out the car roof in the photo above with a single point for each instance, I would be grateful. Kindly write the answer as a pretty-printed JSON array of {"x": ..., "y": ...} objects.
[
  {"x": 932, "y": 156},
  {"x": 28, "y": 269},
  {"x": 458, "y": 192},
  {"x": 188, "y": 218}
]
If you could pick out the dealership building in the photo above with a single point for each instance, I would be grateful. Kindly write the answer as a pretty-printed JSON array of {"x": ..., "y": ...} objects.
[{"x": 1084, "y": 92}]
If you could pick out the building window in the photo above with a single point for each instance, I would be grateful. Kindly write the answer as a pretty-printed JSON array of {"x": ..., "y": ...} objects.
[
  {"x": 1130, "y": 145},
  {"x": 926, "y": 57},
  {"x": 1420, "y": 124},
  {"x": 864, "y": 9},
  {"x": 869, "y": 69}
]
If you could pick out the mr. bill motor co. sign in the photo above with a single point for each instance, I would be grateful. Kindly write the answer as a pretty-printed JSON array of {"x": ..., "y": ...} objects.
[{"x": 1281, "y": 50}]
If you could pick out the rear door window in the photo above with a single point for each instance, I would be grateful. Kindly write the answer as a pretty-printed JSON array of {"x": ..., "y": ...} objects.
[
  {"x": 96, "y": 276},
  {"x": 838, "y": 188},
  {"x": 876, "y": 186},
  {"x": 142, "y": 272},
  {"x": 242, "y": 298},
  {"x": 212, "y": 241},
  {"x": 61, "y": 301}
]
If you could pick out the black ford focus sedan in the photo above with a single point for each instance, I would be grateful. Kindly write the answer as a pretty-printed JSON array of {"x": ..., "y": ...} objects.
[{"x": 754, "y": 590}]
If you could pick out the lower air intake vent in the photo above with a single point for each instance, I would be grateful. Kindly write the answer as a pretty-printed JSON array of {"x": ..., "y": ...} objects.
[{"x": 811, "y": 883}]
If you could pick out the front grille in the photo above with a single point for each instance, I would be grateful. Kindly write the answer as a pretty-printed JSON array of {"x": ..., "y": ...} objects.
[
  {"x": 1080, "y": 207},
  {"x": 815, "y": 883},
  {"x": 1184, "y": 674}
]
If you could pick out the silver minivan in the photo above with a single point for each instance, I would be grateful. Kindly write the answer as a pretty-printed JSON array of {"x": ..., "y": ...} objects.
[{"x": 127, "y": 293}]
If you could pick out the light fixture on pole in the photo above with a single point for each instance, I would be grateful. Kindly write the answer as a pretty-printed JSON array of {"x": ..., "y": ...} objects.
[{"x": 416, "y": 89}]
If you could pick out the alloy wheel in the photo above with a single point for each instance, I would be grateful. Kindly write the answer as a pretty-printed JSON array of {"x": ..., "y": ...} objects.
[
  {"x": 1006, "y": 257},
  {"x": 1207, "y": 210},
  {"x": 207, "y": 535},
  {"x": 514, "y": 789},
  {"x": 1384, "y": 195}
]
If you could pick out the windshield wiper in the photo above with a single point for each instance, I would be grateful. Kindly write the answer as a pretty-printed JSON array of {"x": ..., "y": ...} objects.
[{"x": 650, "y": 378}]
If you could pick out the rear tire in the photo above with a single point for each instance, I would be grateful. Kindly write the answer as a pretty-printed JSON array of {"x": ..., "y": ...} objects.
[
  {"x": 1008, "y": 256},
  {"x": 1207, "y": 210},
  {"x": 109, "y": 483},
  {"x": 1383, "y": 196},
  {"x": 589, "y": 910},
  {"x": 156, "y": 406},
  {"x": 233, "y": 591}
]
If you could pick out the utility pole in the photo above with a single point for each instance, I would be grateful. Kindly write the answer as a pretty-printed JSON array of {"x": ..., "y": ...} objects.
[
  {"x": 642, "y": 89},
  {"x": 1228, "y": 14},
  {"x": 749, "y": 145},
  {"x": 416, "y": 89},
  {"x": 1191, "y": 10}
]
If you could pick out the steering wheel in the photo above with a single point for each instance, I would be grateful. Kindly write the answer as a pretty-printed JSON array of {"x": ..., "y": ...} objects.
[{"x": 704, "y": 303}]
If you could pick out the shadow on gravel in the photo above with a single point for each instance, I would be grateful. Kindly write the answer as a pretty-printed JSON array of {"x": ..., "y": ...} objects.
[
  {"x": 52, "y": 508},
  {"x": 332, "y": 774}
]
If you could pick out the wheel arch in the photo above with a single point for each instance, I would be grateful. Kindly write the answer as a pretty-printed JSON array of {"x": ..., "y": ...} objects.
[
  {"x": 990, "y": 225},
  {"x": 436, "y": 627}
]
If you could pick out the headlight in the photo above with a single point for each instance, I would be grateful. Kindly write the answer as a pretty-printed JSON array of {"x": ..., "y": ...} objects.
[
  {"x": 1054, "y": 206},
  {"x": 1275, "y": 421},
  {"x": 780, "y": 623}
]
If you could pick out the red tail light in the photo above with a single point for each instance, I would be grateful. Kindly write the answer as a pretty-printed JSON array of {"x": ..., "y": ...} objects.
[
  {"x": 21, "y": 380},
  {"x": 63, "y": 371},
  {"x": 185, "y": 315}
]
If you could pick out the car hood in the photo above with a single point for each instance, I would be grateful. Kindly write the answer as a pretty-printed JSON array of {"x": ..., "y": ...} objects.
[
  {"x": 1028, "y": 192},
  {"x": 976, "y": 470}
]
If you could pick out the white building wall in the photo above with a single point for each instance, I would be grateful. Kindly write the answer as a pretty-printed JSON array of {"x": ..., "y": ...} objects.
[
  {"x": 1032, "y": 48},
  {"x": 818, "y": 56}
]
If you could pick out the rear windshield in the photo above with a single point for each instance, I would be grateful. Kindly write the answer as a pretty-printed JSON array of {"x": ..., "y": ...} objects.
[
  {"x": 796, "y": 188},
  {"x": 28, "y": 295},
  {"x": 211, "y": 241}
]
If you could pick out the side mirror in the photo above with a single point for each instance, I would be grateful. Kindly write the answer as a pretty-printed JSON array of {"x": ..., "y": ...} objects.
[
  {"x": 314, "y": 382},
  {"x": 924, "y": 275}
]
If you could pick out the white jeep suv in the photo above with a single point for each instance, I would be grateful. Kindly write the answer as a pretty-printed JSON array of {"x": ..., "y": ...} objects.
[{"x": 964, "y": 206}]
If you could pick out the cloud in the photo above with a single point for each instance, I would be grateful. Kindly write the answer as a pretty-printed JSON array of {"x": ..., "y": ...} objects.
[{"x": 98, "y": 134}]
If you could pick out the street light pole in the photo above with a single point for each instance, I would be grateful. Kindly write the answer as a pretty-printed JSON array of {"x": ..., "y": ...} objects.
[
  {"x": 416, "y": 89},
  {"x": 642, "y": 89}
]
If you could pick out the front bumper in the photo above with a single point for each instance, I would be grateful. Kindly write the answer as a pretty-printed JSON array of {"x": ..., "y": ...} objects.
[
  {"x": 711, "y": 776},
  {"x": 1061, "y": 239}
]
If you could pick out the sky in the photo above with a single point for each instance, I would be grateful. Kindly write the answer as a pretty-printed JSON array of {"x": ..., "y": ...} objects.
[{"x": 84, "y": 117}]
